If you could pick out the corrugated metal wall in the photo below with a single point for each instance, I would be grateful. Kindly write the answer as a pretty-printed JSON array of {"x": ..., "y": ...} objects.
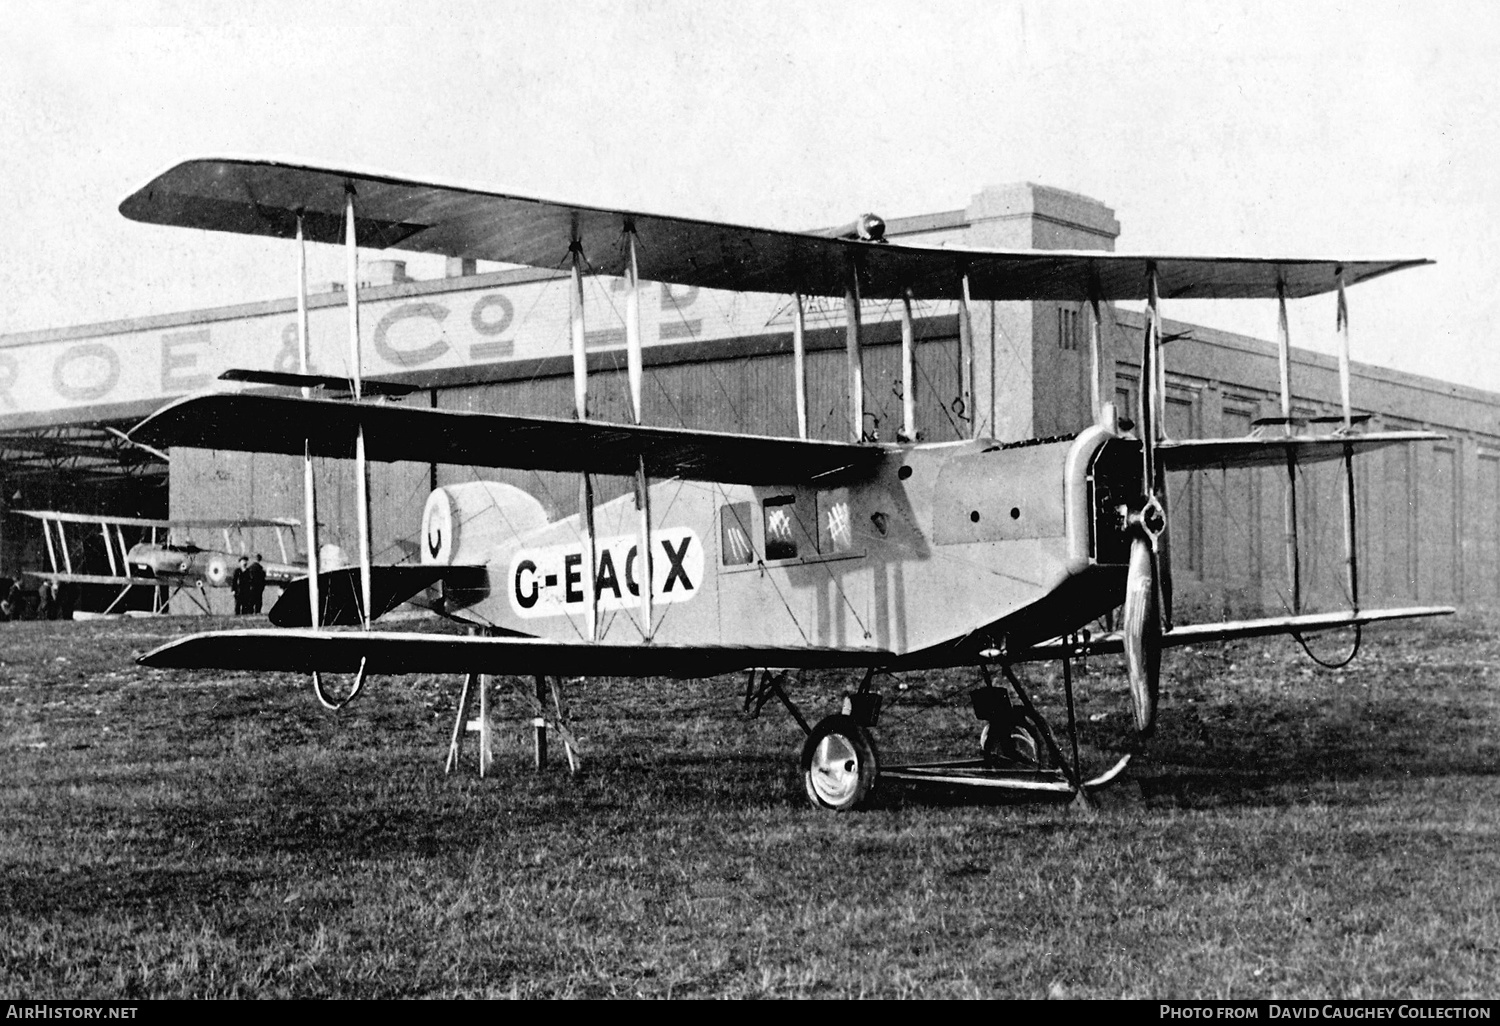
[
  {"x": 1418, "y": 540},
  {"x": 1429, "y": 528}
]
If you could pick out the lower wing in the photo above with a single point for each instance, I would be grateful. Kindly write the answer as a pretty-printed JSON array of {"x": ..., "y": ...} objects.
[
  {"x": 392, "y": 652},
  {"x": 118, "y": 581},
  {"x": 1228, "y": 630}
]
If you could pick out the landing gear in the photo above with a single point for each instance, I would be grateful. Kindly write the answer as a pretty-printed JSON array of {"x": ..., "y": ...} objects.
[
  {"x": 839, "y": 764},
  {"x": 1019, "y": 751}
]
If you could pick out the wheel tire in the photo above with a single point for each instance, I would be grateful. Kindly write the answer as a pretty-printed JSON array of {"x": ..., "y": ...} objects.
[
  {"x": 1021, "y": 738},
  {"x": 839, "y": 764},
  {"x": 1142, "y": 634}
]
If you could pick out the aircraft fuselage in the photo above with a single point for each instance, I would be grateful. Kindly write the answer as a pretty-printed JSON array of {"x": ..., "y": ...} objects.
[
  {"x": 946, "y": 548},
  {"x": 188, "y": 565}
]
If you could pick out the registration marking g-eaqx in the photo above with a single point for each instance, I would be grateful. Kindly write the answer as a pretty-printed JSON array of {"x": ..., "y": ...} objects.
[{"x": 550, "y": 580}]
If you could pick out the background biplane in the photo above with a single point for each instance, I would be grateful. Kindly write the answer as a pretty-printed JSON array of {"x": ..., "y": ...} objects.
[
  {"x": 160, "y": 554},
  {"x": 738, "y": 552}
]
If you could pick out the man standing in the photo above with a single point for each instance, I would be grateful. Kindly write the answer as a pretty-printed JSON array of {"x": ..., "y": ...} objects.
[
  {"x": 255, "y": 583},
  {"x": 46, "y": 601},
  {"x": 239, "y": 584}
]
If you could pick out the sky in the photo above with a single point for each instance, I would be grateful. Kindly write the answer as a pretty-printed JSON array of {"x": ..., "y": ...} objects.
[{"x": 1262, "y": 129}]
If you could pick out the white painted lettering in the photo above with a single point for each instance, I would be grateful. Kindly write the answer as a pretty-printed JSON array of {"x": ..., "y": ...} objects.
[
  {"x": 179, "y": 354},
  {"x": 86, "y": 372},
  {"x": 414, "y": 356}
]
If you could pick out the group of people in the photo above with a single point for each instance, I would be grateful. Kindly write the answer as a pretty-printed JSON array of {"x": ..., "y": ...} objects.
[
  {"x": 46, "y": 603},
  {"x": 248, "y": 583}
]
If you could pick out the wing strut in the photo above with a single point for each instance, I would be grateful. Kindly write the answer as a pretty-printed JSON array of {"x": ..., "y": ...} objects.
[
  {"x": 1284, "y": 360},
  {"x": 309, "y": 486},
  {"x": 1096, "y": 353},
  {"x": 109, "y": 549},
  {"x": 908, "y": 371},
  {"x": 856, "y": 358},
  {"x": 581, "y": 411},
  {"x": 125, "y": 552},
  {"x": 62, "y": 547},
  {"x": 635, "y": 362},
  {"x": 361, "y": 468},
  {"x": 1351, "y": 536},
  {"x": 966, "y": 355},
  {"x": 799, "y": 363},
  {"x": 47, "y": 535}
]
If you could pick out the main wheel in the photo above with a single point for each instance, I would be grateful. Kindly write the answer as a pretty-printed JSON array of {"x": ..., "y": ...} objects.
[
  {"x": 839, "y": 764},
  {"x": 1142, "y": 631}
]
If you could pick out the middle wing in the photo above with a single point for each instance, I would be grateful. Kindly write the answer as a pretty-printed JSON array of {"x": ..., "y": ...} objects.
[
  {"x": 270, "y": 423},
  {"x": 1274, "y": 451}
]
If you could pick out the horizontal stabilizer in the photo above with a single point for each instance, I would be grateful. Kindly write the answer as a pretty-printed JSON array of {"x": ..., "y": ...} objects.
[
  {"x": 323, "y": 381},
  {"x": 339, "y": 592},
  {"x": 1229, "y": 630},
  {"x": 391, "y": 652},
  {"x": 266, "y": 197},
  {"x": 275, "y": 423},
  {"x": 1274, "y": 450}
]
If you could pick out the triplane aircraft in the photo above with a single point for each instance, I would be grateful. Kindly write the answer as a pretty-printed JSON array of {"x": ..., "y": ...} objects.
[
  {"x": 159, "y": 554},
  {"x": 738, "y": 552}
]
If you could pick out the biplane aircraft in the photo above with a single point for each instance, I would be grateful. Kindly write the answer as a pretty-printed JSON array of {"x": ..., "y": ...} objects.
[
  {"x": 159, "y": 554},
  {"x": 737, "y": 552}
]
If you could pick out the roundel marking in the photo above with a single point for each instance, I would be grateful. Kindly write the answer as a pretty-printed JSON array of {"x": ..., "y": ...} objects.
[{"x": 437, "y": 529}]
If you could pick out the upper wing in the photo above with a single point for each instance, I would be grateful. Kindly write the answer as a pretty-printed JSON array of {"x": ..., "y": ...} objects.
[
  {"x": 91, "y": 518},
  {"x": 273, "y": 423},
  {"x": 389, "y": 652},
  {"x": 264, "y": 197},
  {"x": 1271, "y": 451}
]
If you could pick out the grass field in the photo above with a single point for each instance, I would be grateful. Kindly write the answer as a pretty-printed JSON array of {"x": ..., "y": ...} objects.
[{"x": 1291, "y": 832}]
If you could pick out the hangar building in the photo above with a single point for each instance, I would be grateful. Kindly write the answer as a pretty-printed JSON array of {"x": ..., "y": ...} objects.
[{"x": 499, "y": 341}]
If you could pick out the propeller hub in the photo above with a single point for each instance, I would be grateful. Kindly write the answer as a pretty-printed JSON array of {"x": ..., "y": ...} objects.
[{"x": 1151, "y": 519}]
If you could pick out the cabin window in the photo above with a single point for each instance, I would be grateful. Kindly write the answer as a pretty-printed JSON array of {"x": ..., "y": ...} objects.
[
  {"x": 1067, "y": 328},
  {"x": 735, "y": 547},
  {"x": 781, "y": 527},
  {"x": 835, "y": 522}
]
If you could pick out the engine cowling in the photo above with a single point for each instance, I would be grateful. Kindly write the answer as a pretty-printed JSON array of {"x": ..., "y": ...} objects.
[{"x": 216, "y": 571}]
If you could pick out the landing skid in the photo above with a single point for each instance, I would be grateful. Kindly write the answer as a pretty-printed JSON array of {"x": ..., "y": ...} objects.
[{"x": 979, "y": 773}]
